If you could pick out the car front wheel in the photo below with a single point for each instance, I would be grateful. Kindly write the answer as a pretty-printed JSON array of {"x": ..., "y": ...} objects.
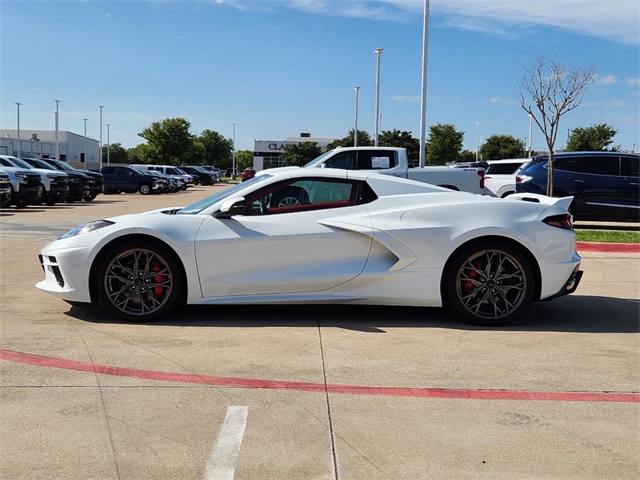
[
  {"x": 490, "y": 283},
  {"x": 138, "y": 280}
]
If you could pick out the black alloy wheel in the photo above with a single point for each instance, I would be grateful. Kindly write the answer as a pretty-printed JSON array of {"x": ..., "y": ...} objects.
[
  {"x": 490, "y": 283},
  {"x": 139, "y": 280}
]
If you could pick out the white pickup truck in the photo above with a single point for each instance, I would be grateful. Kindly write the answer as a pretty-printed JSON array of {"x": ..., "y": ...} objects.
[{"x": 394, "y": 161}]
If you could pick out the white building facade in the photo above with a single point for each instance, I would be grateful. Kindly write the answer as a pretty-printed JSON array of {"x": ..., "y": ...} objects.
[
  {"x": 266, "y": 153},
  {"x": 79, "y": 151}
]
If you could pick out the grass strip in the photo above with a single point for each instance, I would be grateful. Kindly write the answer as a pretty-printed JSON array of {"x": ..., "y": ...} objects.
[{"x": 607, "y": 236}]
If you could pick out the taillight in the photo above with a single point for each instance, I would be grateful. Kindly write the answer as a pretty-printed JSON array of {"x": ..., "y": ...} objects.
[
  {"x": 560, "y": 221},
  {"x": 481, "y": 173}
]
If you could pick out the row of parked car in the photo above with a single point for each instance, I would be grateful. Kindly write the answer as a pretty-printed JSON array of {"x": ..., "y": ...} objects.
[
  {"x": 605, "y": 185},
  {"x": 148, "y": 179},
  {"x": 29, "y": 181},
  {"x": 33, "y": 181}
]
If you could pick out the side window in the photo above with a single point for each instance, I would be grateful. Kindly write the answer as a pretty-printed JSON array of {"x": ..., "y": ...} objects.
[
  {"x": 630, "y": 166},
  {"x": 603, "y": 165},
  {"x": 344, "y": 160},
  {"x": 376, "y": 160},
  {"x": 307, "y": 195}
]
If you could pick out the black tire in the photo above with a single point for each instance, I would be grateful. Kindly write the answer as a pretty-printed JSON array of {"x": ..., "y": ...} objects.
[
  {"x": 90, "y": 198},
  {"x": 290, "y": 196},
  {"x": 489, "y": 283},
  {"x": 144, "y": 189},
  {"x": 139, "y": 280}
]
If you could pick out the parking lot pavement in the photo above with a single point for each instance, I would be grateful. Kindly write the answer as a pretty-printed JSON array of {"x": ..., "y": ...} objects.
[{"x": 330, "y": 392}]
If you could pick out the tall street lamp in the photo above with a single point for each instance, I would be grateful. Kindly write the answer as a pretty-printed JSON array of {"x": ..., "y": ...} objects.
[
  {"x": 84, "y": 142},
  {"x": 57, "y": 140},
  {"x": 378, "y": 53},
  {"x": 19, "y": 140},
  {"x": 355, "y": 129},
  {"x": 100, "y": 142},
  {"x": 108, "y": 145},
  {"x": 233, "y": 159},
  {"x": 423, "y": 93},
  {"x": 477, "y": 138}
]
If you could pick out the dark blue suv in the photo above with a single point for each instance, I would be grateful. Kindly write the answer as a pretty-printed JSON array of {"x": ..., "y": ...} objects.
[{"x": 605, "y": 185}]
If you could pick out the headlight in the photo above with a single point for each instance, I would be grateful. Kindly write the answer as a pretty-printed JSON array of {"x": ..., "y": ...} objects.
[{"x": 86, "y": 228}]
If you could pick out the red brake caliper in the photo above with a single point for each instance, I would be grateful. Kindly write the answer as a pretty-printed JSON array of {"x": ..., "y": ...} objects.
[
  {"x": 467, "y": 286},
  {"x": 157, "y": 290}
]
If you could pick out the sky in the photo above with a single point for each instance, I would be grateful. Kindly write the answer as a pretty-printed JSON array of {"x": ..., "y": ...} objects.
[{"x": 271, "y": 69}]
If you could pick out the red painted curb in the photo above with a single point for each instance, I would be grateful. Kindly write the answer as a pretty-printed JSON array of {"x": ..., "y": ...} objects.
[
  {"x": 478, "y": 394},
  {"x": 608, "y": 247}
]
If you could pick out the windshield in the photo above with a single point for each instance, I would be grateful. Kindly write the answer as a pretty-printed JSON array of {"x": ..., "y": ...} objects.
[
  {"x": 318, "y": 159},
  {"x": 213, "y": 199},
  {"x": 21, "y": 163},
  {"x": 63, "y": 166}
]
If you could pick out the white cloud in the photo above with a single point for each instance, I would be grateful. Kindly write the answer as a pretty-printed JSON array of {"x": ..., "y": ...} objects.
[
  {"x": 405, "y": 98},
  {"x": 616, "y": 20},
  {"x": 633, "y": 81},
  {"x": 607, "y": 80}
]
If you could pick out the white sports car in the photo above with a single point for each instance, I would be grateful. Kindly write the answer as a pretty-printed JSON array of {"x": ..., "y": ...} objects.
[{"x": 324, "y": 236}]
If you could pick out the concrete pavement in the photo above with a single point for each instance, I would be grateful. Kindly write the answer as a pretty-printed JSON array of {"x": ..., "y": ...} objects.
[{"x": 331, "y": 392}]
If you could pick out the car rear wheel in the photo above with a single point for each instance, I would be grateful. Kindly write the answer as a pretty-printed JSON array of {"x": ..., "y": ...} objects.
[
  {"x": 490, "y": 283},
  {"x": 139, "y": 280}
]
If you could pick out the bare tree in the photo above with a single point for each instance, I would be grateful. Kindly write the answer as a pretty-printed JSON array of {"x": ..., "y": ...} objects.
[{"x": 548, "y": 90}]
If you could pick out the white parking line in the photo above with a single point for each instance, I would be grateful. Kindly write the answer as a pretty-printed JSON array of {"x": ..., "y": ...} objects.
[{"x": 222, "y": 463}]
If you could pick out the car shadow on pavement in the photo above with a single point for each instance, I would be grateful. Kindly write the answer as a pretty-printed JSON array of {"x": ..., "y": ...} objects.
[{"x": 575, "y": 313}]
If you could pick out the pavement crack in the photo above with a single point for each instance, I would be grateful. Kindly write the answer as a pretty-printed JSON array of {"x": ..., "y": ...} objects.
[{"x": 332, "y": 437}]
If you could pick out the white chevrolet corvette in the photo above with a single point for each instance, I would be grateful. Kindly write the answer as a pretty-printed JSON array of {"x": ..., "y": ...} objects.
[{"x": 324, "y": 236}]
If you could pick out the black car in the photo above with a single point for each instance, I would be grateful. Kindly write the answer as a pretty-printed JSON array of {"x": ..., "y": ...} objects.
[
  {"x": 78, "y": 182},
  {"x": 96, "y": 182},
  {"x": 206, "y": 178},
  {"x": 5, "y": 190},
  {"x": 605, "y": 185},
  {"x": 126, "y": 179}
]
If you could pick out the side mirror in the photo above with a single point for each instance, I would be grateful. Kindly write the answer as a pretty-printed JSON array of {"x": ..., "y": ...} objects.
[{"x": 232, "y": 207}]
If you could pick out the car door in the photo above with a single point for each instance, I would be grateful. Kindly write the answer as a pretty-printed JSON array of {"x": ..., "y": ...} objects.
[
  {"x": 630, "y": 169},
  {"x": 280, "y": 246}
]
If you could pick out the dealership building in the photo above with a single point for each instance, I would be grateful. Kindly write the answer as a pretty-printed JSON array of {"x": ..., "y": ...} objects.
[
  {"x": 266, "y": 153},
  {"x": 79, "y": 151}
]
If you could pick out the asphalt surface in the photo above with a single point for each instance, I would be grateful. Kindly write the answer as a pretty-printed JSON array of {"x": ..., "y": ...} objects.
[{"x": 312, "y": 392}]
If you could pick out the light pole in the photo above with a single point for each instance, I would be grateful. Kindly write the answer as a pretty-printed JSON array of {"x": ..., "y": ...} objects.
[
  {"x": 84, "y": 142},
  {"x": 423, "y": 106},
  {"x": 108, "y": 145},
  {"x": 57, "y": 140},
  {"x": 378, "y": 53},
  {"x": 100, "y": 142},
  {"x": 477, "y": 138},
  {"x": 355, "y": 129},
  {"x": 233, "y": 153},
  {"x": 530, "y": 126},
  {"x": 19, "y": 140}
]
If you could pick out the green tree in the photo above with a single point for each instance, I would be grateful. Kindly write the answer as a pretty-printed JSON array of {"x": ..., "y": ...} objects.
[
  {"x": 115, "y": 153},
  {"x": 444, "y": 144},
  {"x": 467, "y": 156},
  {"x": 594, "y": 138},
  {"x": 169, "y": 141},
  {"x": 402, "y": 139},
  {"x": 548, "y": 91},
  {"x": 244, "y": 159},
  {"x": 217, "y": 149},
  {"x": 364, "y": 140},
  {"x": 497, "y": 147},
  {"x": 300, "y": 154}
]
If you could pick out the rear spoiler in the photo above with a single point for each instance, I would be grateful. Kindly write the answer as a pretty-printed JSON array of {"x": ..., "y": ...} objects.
[{"x": 562, "y": 202}]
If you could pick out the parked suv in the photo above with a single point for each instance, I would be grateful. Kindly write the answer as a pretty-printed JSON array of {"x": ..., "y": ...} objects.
[
  {"x": 78, "y": 182},
  {"x": 500, "y": 176},
  {"x": 25, "y": 185},
  {"x": 95, "y": 180},
  {"x": 126, "y": 179},
  {"x": 5, "y": 190},
  {"x": 605, "y": 185},
  {"x": 55, "y": 185},
  {"x": 170, "y": 171}
]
